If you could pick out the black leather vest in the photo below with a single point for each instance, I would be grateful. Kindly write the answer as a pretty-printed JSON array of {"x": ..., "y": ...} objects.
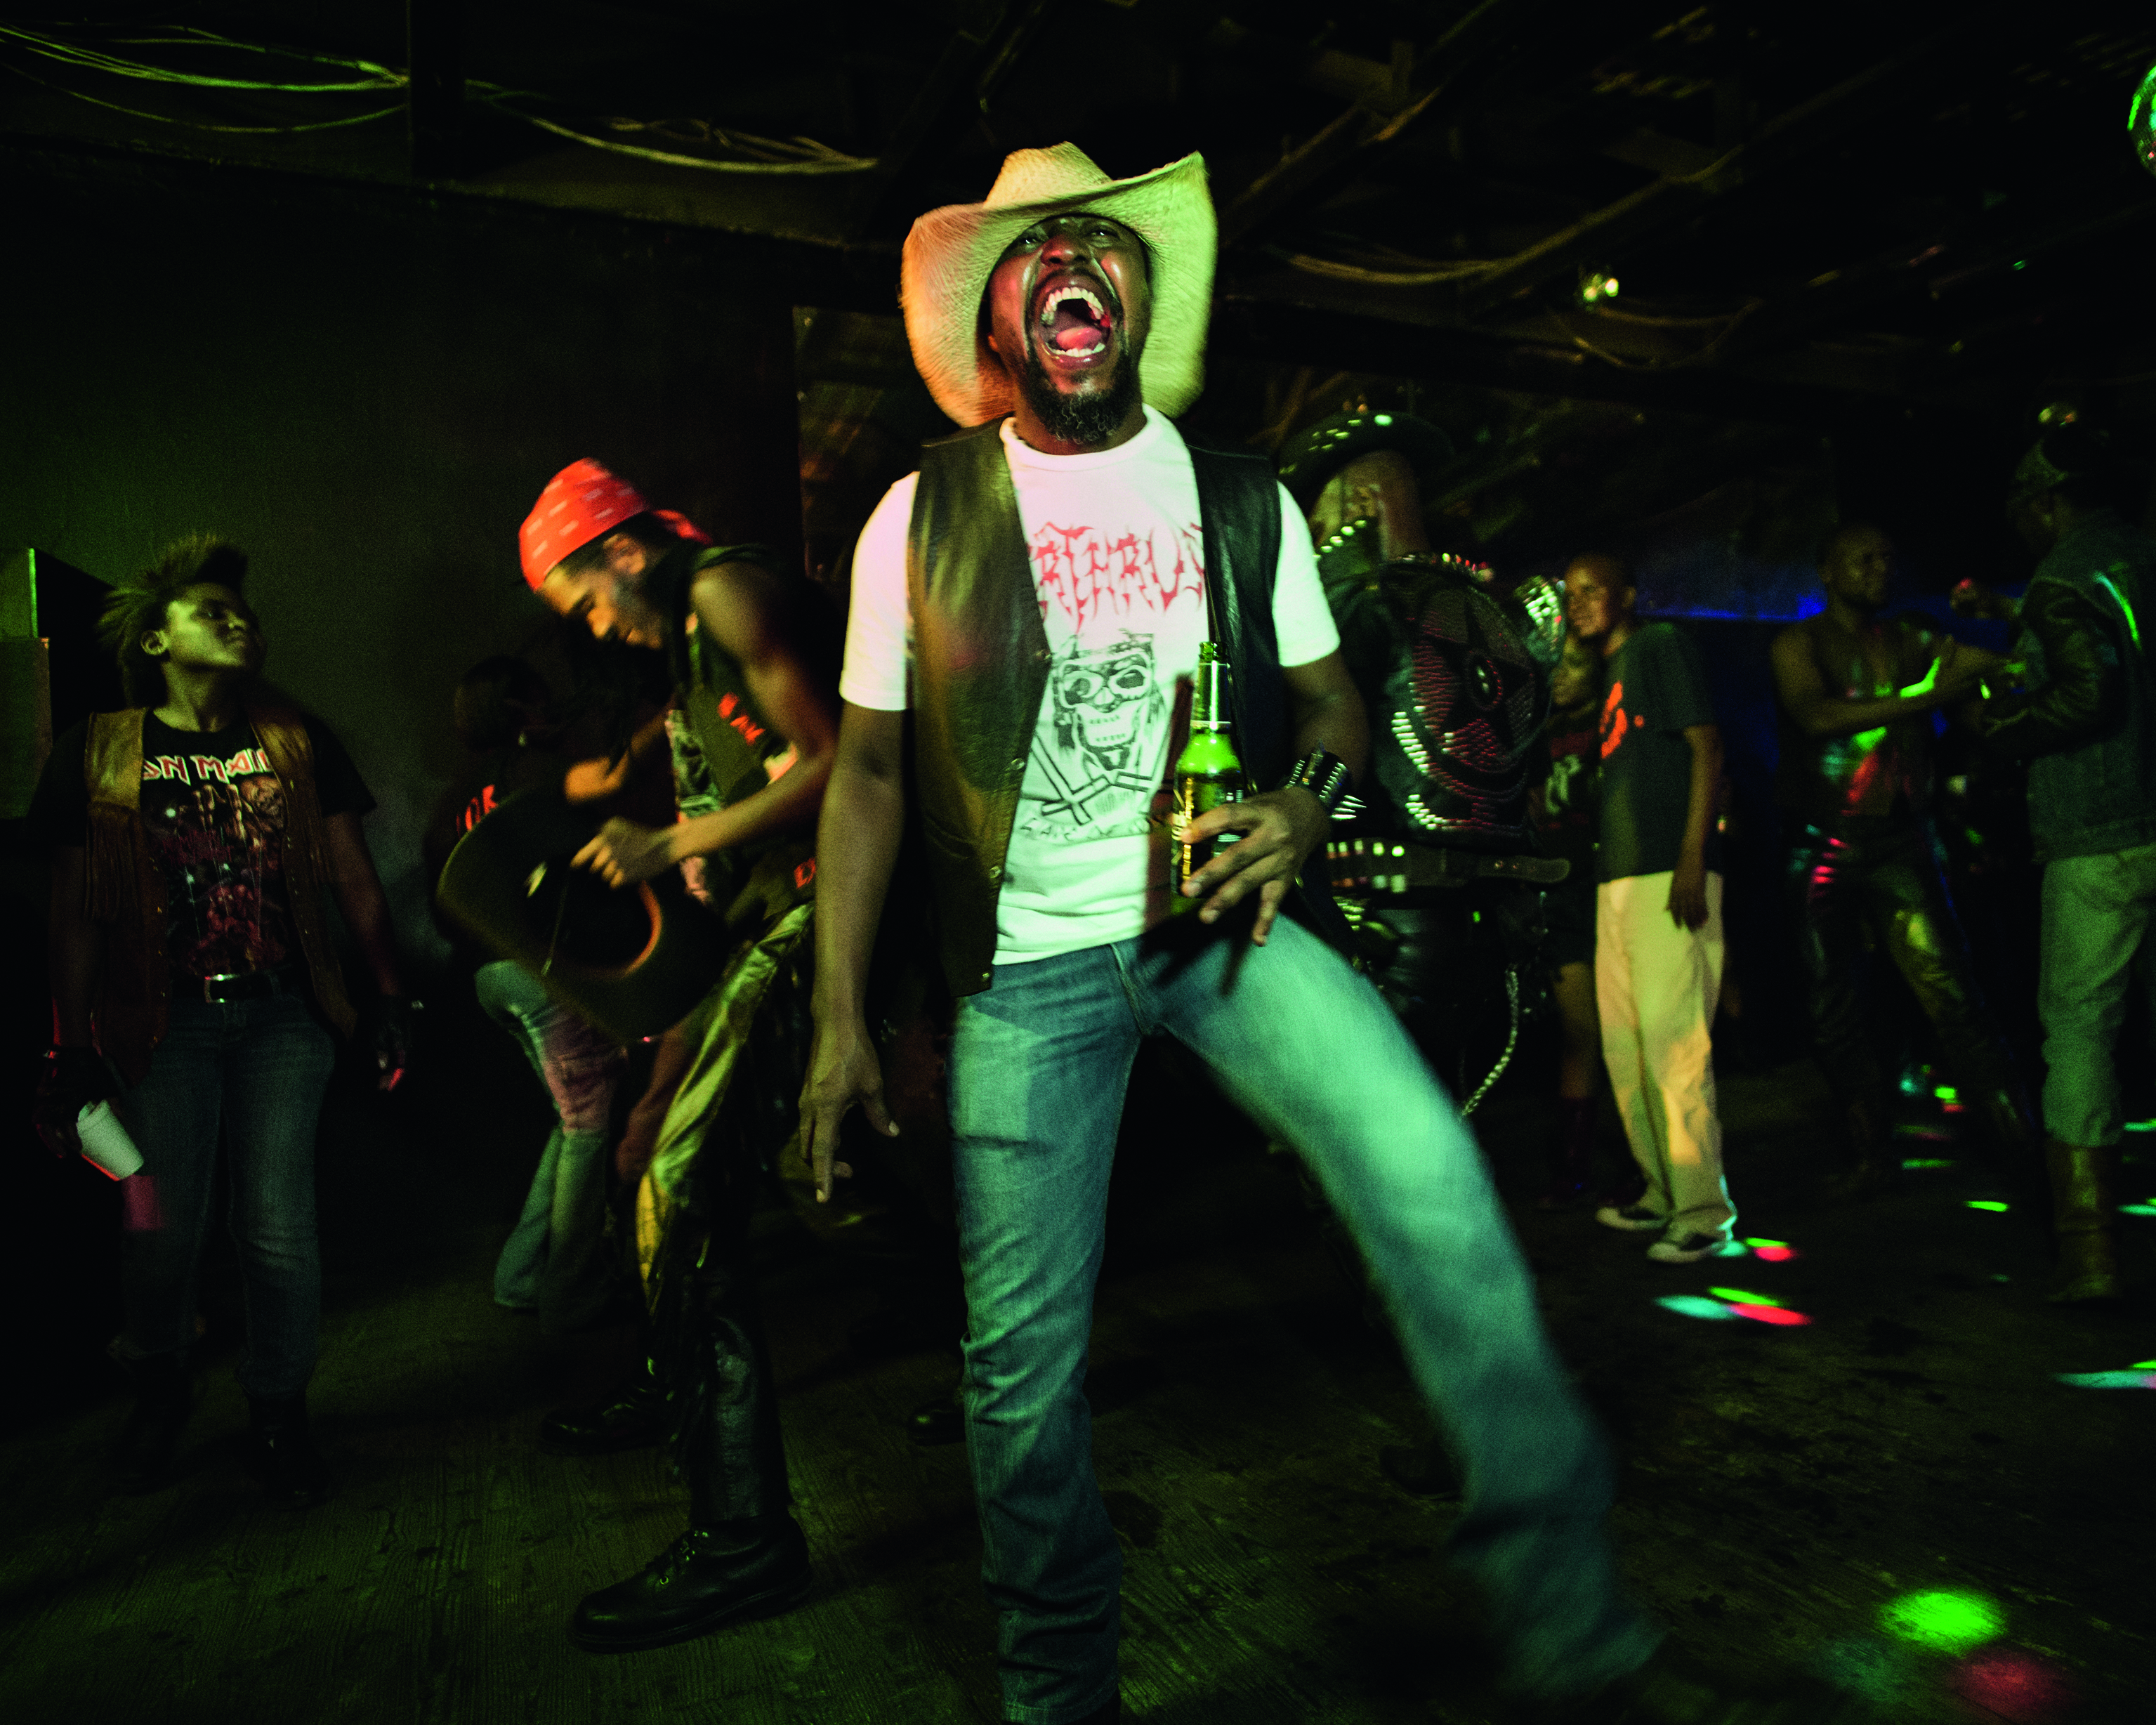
[{"x": 981, "y": 661}]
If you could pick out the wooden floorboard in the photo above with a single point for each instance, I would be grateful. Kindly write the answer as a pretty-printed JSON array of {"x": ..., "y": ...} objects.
[{"x": 1781, "y": 1487}]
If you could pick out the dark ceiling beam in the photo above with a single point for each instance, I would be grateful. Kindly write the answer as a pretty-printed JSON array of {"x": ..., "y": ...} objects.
[
  {"x": 1252, "y": 327},
  {"x": 1798, "y": 132},
  {"x": 434, "y": 85},
  {"x": 1366, "y": 127},
  {"x": 980, "y": 54}
]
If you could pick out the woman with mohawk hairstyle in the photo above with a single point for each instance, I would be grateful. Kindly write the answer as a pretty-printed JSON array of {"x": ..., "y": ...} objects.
[{"x": 194, "y": 835}]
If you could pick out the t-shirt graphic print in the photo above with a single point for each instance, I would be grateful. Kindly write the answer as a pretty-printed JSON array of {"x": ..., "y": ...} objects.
[
  {"x": 214, "y": 816},
  {"x": 1103, "y": 602}
]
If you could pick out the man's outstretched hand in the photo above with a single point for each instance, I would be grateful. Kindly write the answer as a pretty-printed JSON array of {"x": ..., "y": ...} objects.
[
  {"x": 842, "y": 1070},
  {"x": 625, "y": 852},
  {"x": 1279, "y": 829}
]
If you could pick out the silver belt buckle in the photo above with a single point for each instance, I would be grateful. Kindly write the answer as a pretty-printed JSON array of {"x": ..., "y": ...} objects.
[{"x": 210, "y": 996}]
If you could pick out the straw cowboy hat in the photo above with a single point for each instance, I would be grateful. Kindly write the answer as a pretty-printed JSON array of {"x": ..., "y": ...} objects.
[{"x": 951, "y": 251}]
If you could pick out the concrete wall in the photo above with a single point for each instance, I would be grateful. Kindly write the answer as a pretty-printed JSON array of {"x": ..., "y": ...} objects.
[{"x": 367, "y": 391}]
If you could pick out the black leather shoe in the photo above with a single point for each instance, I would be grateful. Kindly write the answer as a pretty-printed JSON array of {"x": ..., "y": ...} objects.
[
  {"x": 940, "y": 1419},
  {"x": 143, "y": 1454},
  {"x": 707, "y": 1578},
  {"x": 633, "y": 1417},
  {"x": 279, "y": 1451}
]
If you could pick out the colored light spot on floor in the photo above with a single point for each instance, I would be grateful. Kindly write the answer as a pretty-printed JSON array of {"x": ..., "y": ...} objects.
[
  {"x": 1985, "y": 1204},
  {"x": 1731, "y": 1248},
  {"x": 1946, "y": 1093},
  {"x": 2002, "y": 1278},
  {"x": 2145, "y": 1365},
  {"x": 2013, "y": 1685},
  {"x": 2138, "y": 1210},
  {"x": 2141, "y": 1126},
  {"x": 1767, "y": 1314},
  {"x": 1930, "y": 1134},
  {"x": 1954, "y": 1107},
  {"x": 1693, "y": 1306},
  {"x": 1926, "y": 1162},
  {"x": 1880, "y": 1671},
  {"x": 1776, "y": 1255},
  {"x": 1952, "y": 1622},
  {"x": 1756, "y": 1244},
  {"x": 1738, "y": 1297},
  {"x": 2108, "y": 1380}
]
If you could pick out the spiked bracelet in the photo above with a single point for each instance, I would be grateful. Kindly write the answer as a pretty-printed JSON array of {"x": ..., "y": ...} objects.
[{"x": 1324, "y": 775}]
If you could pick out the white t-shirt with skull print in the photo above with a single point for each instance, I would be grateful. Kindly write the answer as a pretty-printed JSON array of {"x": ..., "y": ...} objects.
[{"x": 1118, "y": 563}]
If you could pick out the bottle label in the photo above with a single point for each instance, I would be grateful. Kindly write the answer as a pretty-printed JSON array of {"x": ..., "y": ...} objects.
[{"x": 1194, "y": 797}]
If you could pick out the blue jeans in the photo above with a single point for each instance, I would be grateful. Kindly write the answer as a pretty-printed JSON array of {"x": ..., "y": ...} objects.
[
  {"x": 555, "y": 1258},
  {"x": 1038, "y": 1066},
  {"x": 257, "y": 1068},
  {"x": 2097, "y": 915}
]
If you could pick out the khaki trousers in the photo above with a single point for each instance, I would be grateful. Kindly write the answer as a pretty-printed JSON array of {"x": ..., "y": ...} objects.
[{"x": 1655, "y": 984}]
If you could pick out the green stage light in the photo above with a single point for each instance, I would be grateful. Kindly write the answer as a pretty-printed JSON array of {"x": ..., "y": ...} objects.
[{"x": 1948, "y": 1622}]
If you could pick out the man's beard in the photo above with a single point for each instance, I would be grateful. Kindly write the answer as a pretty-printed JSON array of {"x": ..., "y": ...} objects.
[{"x": 1086, "y": 420}]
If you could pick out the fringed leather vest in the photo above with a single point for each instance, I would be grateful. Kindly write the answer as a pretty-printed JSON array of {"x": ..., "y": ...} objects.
[
  {"x": 981, "y": 661},
  {"x": 124, "y": 891}
]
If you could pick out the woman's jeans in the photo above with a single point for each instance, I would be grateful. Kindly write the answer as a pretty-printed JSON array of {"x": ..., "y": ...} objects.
[
  {"x": 556, "y": 1260},
  {"x": 1038, "y": 1066},
  {"x": 256, "y": 1069}
]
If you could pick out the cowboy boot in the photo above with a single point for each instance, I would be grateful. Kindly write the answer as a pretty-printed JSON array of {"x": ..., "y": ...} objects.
[
  {"x": 633, "y": 1416},
  {"x": 2083, "y": 1208},
  {"x": 143, "y": 1454},
  {"x": 279, "y": 1452}
]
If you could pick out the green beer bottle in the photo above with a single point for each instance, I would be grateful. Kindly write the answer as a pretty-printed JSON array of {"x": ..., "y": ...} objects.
[{"x": 1207, "y": 774}]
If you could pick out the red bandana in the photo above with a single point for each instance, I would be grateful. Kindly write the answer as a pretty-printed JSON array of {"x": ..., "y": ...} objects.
[{"x": 580, "y": 503}]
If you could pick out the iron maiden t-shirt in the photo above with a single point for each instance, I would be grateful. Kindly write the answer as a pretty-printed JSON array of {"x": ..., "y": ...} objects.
[{"x": 213, "y": 814}]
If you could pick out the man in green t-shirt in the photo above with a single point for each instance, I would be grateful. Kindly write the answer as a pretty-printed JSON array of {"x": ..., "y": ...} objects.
[{"x": 1658, "y": 911}]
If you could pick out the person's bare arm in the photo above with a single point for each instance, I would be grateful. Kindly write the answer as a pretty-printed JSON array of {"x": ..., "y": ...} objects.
[
  {"x": 1688, "y": 880},
  {"x": 856, "y": 848},
  {"x": 1281, "y": 827},
  {"x": 744, "y": 610},
  {"x": 1817, "y": 713},
  {"x": 595, "y": 780}
]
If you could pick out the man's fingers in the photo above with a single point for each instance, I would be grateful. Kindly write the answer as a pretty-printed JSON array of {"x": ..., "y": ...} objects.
[
  {"x": 592, "y": 856},
  {"x": 1269, "y": 896}
]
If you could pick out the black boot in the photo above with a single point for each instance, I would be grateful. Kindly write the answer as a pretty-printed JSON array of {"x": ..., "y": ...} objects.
[
  {"x": 634, "y": 1417},
  {"x": 278, "y": 1451},
  {"x": 707, "y": 1578},
  {"x": 743, "y": 1556},
  {"x": 143, "y": 1456}
]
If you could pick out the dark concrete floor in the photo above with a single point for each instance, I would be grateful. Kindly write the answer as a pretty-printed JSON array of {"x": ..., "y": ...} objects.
[{"x": 1784, "y": 1485}]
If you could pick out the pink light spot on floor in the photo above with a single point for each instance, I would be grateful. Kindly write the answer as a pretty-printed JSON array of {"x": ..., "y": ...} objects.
[
  {"x": 1774, "y": 1254},
  {"x": 1769, "y": 1314},
  {"x": 2013, "y": 1685}
]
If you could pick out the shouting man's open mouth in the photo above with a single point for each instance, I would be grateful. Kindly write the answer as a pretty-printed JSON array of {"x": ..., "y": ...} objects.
[{"x": 1075, "y": 324}]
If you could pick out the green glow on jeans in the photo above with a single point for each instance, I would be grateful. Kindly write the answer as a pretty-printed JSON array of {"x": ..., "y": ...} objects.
[
  {"x": 1950, "y": 1622},
  {"x": 2145, "y": 99},
  {"x": 1985, "y": 1204}
]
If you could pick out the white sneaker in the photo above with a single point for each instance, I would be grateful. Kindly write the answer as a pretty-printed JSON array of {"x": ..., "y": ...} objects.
[
  {"x": 1683, "y": 1246},
  {"x": 1633, "y": 1219}
]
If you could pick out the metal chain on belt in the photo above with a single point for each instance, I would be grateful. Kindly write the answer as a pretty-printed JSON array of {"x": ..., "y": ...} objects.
[{"x": 1511, "y": 1041}]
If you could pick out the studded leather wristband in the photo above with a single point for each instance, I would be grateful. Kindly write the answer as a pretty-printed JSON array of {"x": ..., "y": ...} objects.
[{"x": 1324, "y": 775}]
